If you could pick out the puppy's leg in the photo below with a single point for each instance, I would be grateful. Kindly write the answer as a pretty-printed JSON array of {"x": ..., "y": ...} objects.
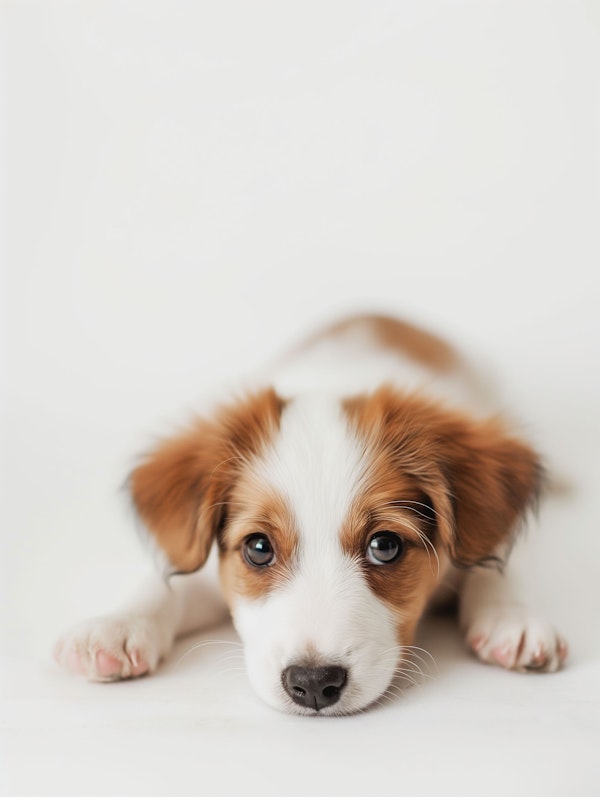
[
  {"x": 131, "y": 642},
  {"x": 501, "y": 630}
]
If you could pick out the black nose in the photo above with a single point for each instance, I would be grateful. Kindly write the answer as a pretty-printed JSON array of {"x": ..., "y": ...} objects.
[{"x": 314, "y": 687}]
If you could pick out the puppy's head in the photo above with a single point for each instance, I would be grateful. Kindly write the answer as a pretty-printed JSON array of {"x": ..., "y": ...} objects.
[{"x": 335, "y": 522}]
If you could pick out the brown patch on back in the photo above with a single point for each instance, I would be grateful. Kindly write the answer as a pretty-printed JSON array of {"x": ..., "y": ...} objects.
[
  {"x": 402, "y": 338},
  {"x": 181, "y": 489},
  {"x": 480, "y": 479}
]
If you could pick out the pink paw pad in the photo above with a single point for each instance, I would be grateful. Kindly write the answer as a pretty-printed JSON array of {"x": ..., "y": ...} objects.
[
  {"x": 505, "y": 655},
  {"x": 477, "y": 642},
  {"x": 107, "y": 665}
]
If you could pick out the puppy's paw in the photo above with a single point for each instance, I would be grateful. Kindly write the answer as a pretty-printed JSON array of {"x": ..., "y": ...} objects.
[
  {"x": 110, "y": 648},
  {"x": 514, "y": 639}
]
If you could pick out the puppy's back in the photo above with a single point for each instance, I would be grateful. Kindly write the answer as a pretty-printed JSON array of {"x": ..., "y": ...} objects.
[{"x": 359, "y": 353}]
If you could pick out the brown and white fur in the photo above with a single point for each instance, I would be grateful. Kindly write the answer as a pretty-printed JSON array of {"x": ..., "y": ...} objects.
[{"x": 373, "y": 433}]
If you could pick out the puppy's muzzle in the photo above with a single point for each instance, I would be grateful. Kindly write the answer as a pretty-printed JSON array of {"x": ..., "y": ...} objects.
[{"x": 314, "y": 687}]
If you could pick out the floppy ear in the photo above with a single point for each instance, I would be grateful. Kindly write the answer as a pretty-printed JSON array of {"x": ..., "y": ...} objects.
[
  {"x": 480, "y": 479},
  {"x": 178, "y": 499},
  {"x": 180, "y": 490},
  {"x": 487, "y": 482}
]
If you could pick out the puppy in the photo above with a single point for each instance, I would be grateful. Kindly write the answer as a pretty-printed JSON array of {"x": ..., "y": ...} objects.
[{"x": 360, "y": 482}]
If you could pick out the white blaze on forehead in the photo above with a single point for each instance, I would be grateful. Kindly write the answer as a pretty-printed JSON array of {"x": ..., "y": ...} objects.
[{"x": 317, "y": 464}]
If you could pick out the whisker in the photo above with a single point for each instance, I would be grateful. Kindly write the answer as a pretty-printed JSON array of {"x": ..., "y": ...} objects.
[
  {"x": 393, "y": 692},
  {"x": 403, "y": 652},
  {"x": 412, "y": 669},
  {"x": 229, "y": 659},
  {"x": 411, "y": 504},
  {"x": 234, "y": 652},
  {"x": 394, "y": 649},
  {"x": 421, "y": 650},
  {"x": 383, "y": 699},
  {"x": 199, "y": 645},
  {"x": 409, "y": 663},
  {"x": 427, "y": 544},
  {"x": 228, "y": 670},
  {"x": 418, "y": 672},
  {"x": 422, "y": 666},
  {"x": 407, "y": 678}
]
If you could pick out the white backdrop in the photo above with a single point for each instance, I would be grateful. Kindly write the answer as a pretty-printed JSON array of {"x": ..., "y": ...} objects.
[{"x": 190, "y": 186}]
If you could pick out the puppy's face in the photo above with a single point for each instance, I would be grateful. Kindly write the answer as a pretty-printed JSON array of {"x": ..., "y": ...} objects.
[{"x": 335, "y": 522}]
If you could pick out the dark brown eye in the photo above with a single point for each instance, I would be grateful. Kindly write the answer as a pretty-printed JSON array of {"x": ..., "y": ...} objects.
[
  {"x": 384, "y": 547},
  {"x": 258, "y": 550}
]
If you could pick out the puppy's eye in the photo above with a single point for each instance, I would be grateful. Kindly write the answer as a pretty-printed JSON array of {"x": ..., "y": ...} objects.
[
  {"x": 258, "y": 551},
  {"x": 384, "y": 547}
]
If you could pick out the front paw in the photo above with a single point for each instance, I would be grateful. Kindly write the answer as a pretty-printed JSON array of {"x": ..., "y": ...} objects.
[
  {"x": 516, "y": 640},
  {"x": 110, "y": 648}
]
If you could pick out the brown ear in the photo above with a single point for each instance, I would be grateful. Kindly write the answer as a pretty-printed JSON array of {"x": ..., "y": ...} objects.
[
  {"x": 480, "y": 479},
  {"x": 180, "y": 490},
  {"x": 489, "y": 480}
]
